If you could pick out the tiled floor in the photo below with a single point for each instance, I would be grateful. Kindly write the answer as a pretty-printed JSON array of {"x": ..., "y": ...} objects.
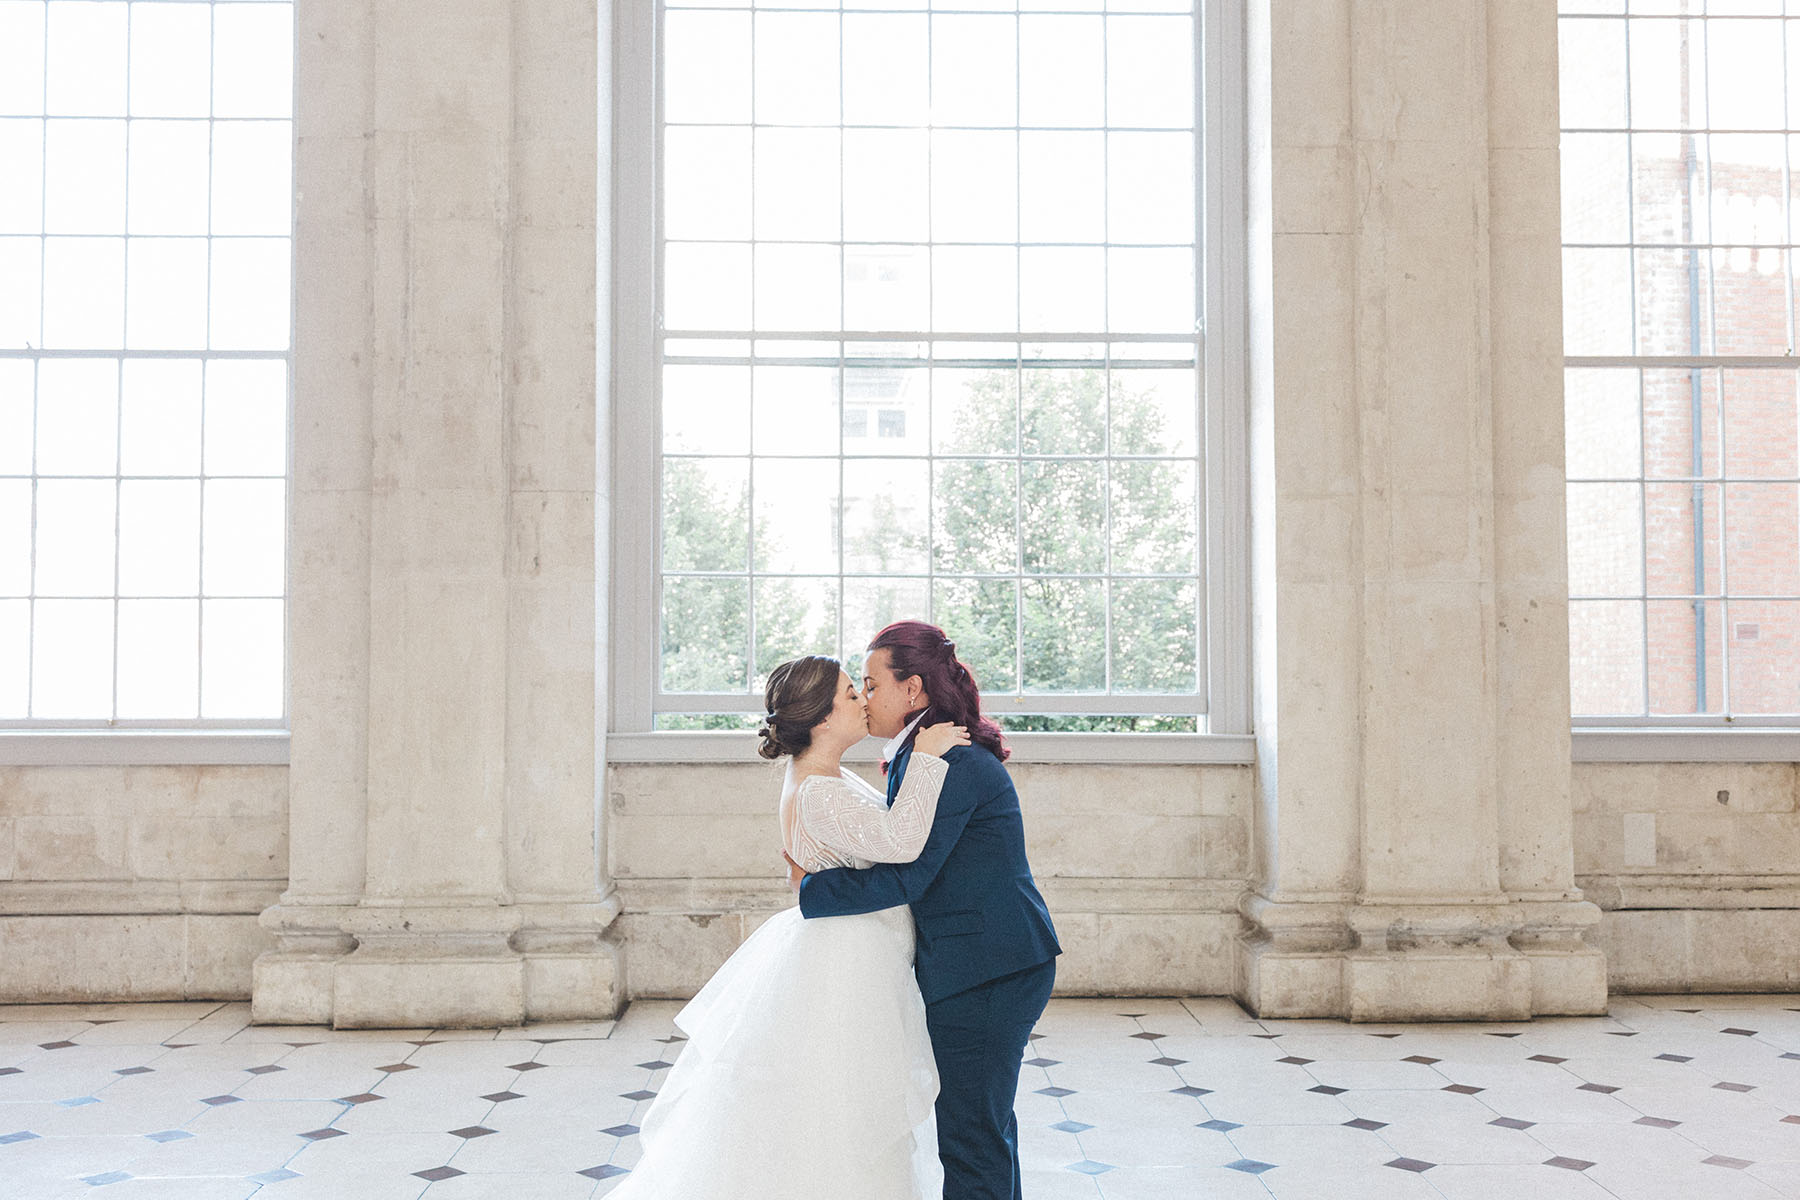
[{"x": 1684, "y": 1097}]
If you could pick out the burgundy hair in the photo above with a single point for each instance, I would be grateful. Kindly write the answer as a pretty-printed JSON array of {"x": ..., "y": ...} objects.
[{"x": 915, "y": 648}]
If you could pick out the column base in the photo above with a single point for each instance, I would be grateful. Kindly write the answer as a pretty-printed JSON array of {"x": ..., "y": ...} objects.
[{"x": 456, "y": 966}]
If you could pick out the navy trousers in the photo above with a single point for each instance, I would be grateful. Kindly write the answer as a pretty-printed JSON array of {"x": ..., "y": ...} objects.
[{"x": 978, "y": 1038}]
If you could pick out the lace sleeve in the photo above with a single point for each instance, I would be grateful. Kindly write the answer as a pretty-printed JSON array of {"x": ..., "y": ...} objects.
[{"x": 838, "y": 818}]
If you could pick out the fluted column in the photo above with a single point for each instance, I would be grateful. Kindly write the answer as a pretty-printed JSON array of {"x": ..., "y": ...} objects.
[
  {"x": 1412, "y": 662},
  {"x": 446, "y": 838}
]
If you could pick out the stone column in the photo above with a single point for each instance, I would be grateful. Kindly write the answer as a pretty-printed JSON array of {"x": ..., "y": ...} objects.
[
  {"x": 1412, "y": 661},
  {"x": 445, "y": 831}
]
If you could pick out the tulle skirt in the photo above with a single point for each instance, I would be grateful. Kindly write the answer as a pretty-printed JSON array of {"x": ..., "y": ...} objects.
[{"x": 807, "y": 1074}]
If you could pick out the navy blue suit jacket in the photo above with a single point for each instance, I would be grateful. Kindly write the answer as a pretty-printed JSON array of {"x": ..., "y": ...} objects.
[{"x": 975, "y": 907}]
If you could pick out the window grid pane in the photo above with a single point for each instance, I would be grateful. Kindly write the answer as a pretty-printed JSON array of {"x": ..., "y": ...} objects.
[
  {"x": 145, "y": 264},
  {"x": 929, "y": 347},
  {"x": 1682, "y": 397}
]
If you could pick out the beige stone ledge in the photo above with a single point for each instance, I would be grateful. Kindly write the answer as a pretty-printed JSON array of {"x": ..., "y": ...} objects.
[
  {"x": 1714, "y": 892},
  {"x": 118, "y": 898},
  {"x": 114, "y": 956}
]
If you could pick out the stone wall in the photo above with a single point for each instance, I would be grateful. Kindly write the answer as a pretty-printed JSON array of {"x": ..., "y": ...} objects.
[
  {"x": 1697, "y": 869},
  {"x": 1142, "y": 867},
  {"x": 137, "y": 883}
]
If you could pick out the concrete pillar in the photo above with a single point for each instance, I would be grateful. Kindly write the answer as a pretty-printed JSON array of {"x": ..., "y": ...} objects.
[
  {"x": 445, "y": 832},
  {"x": 1412, "y": 660}
]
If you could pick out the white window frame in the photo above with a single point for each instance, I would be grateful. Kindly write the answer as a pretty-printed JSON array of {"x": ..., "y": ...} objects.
[
  {"x": 1701, "y": 737},
  {"x": 635, "y": 496},
  {"x": 199, "y": 741}
]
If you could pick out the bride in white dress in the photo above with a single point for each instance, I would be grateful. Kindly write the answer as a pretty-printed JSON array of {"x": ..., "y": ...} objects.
[{"x": 808, "y": 1073}]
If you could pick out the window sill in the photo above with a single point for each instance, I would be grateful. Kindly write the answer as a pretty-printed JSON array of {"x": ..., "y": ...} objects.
[
  {"x": 143, "y": 747},
  {"x": 1687, "y": 744},
  {"x": 681, "y": 746}
]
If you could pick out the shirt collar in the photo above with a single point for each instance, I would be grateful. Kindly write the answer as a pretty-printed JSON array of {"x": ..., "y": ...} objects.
[{"x": 899, "y": 739}]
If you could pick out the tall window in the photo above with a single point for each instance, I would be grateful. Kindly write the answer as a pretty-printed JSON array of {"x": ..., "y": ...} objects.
[
  {"x": 930, "y": 344},
  {"x": 145, "y": 228},
  {"x": 1681, "y": 137}
]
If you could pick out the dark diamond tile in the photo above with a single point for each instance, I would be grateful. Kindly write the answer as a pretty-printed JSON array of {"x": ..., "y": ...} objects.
[
  {"x": 1043, "y": 1062},
  {"x": 1603, "y": 1088},
  {"x": 1546, "y": 1058},
  {"x": 1218, "y": 1126},
  {"x": 471, "y": 1132},
  {"x": 23, "y": 1135},
  {"x": 1511, "y": 1123},
  {"x": 319, "y": 1135},
  {"x": 55, "y": 1046},
  {"x": 1795, "y": 1120},
  {"x": 1325, "y": 1089},
  {"x": 1656, "y": 1122},
  {"x": 101, "y": 1021},
  {"x": 671, "y": 1039},
  {"x": 1267, "y": 1037},
  {"x": 1088, "y": 1166},
  {"x": 1735, "y": 1087},
  {"x": 360, "y": 1098},
  {"x": 422, "y": 1042},
  {"x": 1150, "y": 1037},
  {"x": 1568, "y": 1164},
  {"x": 439, "y": 1173},
  {"x": 1294, "y": 1060},
  {"x": 640, "y": 1094},
  {"x": 1676, "y": 1057},
  {"x": 1134, "y": 1016},
  {"x": 180, "y": 1045},
  {"x": 527, "y": 1066},
  {"x": 1789, "y": 1054},
  {"x": 134, "y": 1071},
  {"x": 215, "y": 1101},
  {"x": 1622, "y": 1033},
  {"x": 1409, "y": 1164},
  {"x": 395, "y": 1068},
  {"x": 103, "y": 1180},
  {"x": 11, "y": 1071},
  {"x": 1072, "y": 1126},
  {"x": 503, "y": 1097},
  {"x": 1491, "y": 1033},
  {"x": 1739, "y": 1032},
  {"x": 656, "y": 1065},
  {"x": 1250, "y": 1166},
  {"x": 603, "y": 1171},
  {"x": 621, "y": 1131},
  {"x": 1725, "y": 1160},
  {"x": 1364, "y": 1124},
  {"x": 1056, "y": 1092},
  {"x": 170, "y": 1135},
  {"x": 78, "y": 1101},
  {"x": 1463, "y": 1089},
  {"x": 276, "y": 1176},
  {"x": 1424, "y": 1060},
  {"x": 270, "y": 1069},
  {"x": 301, "y": 1045},
  {"x": 1384, "y": 1035},
  {"x": 1191, "y": 1090},
  {"x": 1166, "y": 1061},
  {"x": 1691, "y": 1011}
]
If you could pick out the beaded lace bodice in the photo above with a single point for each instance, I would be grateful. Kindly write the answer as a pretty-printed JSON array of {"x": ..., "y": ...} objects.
[{"x": 842, "y": 821}]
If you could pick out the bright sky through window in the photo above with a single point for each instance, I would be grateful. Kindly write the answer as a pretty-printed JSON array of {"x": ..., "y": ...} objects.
[
  {"x": 930, "y": 346},
  {"x": 145, "y": 245}
]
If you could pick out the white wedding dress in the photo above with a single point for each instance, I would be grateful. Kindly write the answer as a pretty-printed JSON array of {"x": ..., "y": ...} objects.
[{"x": 807, "y": 1073}]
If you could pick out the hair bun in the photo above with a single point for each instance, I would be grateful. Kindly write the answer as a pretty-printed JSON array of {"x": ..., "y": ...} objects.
[{"x": 770, "y": 747}]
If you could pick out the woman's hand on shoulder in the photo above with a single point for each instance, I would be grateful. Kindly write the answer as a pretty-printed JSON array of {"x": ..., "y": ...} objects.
[{"x": 936, "y": 739}]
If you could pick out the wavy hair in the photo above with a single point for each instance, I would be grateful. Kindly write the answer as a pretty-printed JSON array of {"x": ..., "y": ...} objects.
[{"x": 916, "y": 648}]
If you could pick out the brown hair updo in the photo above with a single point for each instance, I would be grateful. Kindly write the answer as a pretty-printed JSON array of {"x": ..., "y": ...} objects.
[{"x": 800, "y": 694}]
